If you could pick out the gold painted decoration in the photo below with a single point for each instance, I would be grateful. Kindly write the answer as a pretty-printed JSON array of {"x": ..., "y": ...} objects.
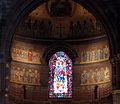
[
  {"x": 27, "y": 52},
  {"x": 26, "y": 55},
  {"x": 60, "y": 19},
  {"x": 32, "y": 53},
  {"x": 25, "y": 74},
  {"x": 96, "y": 76},
  {"x": 94, "y": 55}
]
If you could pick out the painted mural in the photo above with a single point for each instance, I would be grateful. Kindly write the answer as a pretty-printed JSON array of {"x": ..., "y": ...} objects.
[
  {"x": 27, "y": 52},
  {"x": 46, "y": 28},
  {"x": 96, "y": 75},
  {"x": 26, "y": 55},
  {"x": 25, "y": 74},
  {"x": 32, "y": 53},
  {"x": 94, "y": 55},
  {"x": 61, "y": 19}
]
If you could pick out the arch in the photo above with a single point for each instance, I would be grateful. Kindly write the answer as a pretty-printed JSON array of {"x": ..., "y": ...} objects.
[
  {"x": 18, "y": 12},
  {"x": 100, "y": 14},
  {"x": 60, "y": 47},
  {"x": 23, "y": 7}
]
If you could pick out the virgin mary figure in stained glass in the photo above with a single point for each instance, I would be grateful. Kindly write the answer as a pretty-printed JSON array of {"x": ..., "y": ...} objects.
[{"x": 60, "y": 82}]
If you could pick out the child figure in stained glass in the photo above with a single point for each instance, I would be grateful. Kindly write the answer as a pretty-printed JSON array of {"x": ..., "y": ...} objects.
[
  {"x": 61, "y": 81},
  {"x": 60, "y": 69},
  {"x": 61, "y": 75}
]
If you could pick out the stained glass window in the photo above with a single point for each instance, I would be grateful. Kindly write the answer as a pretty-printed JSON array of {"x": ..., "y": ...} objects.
[{"x": 60, "y": 79}]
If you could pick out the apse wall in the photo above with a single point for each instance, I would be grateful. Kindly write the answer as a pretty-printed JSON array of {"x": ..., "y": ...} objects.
[
  {"x": 29, "y": 76},
  {"x": 92, "y": 70}
]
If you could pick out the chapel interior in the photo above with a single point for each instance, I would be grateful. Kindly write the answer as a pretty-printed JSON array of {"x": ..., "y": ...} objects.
[{"x": 60, "y": 54}]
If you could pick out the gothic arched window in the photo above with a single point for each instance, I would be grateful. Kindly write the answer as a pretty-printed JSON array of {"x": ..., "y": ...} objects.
[{"x": 60, "y": 79}]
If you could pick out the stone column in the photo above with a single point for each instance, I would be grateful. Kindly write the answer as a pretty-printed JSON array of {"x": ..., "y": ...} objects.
[
  {"x": 115, "y": 61},
  {"x": 44, "y": 82},
  {"x": 4, "y": 81}
]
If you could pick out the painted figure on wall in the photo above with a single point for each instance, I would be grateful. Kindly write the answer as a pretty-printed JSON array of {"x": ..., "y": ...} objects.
[
  {"x": 37, "y": 76},
  {"x": 90, "y": 76},
  {"x": 95, "y": 76},
  {"x": 30, "y": 76},
  {"x": 101, "y": 54},
  {"x": 18, "y": 74},
  {"x": 101, "y": 74},
  {"x": 84, "y": 77},
  {"x": 107, "y": 73},
  {"x": 98, "y": 52},
  {"x": 26, "y": 55},
  {"x": 30, "y": 55},
  {"x": 26, "y": 76},
  {"x": 96, "y": 55},
  {"x": 24, "y": 79},
  {"x": 93, "y": 55},
  {"x": 88, "y": 56},
  {"x": 106, "y": 52}
]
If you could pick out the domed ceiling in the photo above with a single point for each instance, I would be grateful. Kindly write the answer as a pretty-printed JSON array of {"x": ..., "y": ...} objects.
[{"x": 60, "y": 19}]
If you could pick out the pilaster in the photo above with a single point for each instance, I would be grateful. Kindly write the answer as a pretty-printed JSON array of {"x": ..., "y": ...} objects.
[{"x": 115, "y": 61}]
